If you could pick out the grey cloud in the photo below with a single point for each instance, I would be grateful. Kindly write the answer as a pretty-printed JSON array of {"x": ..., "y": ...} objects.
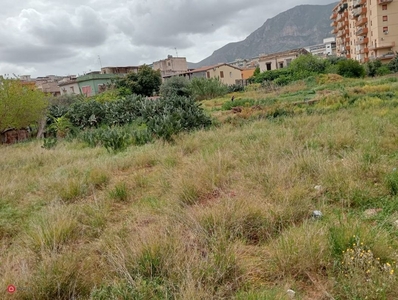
[
  {"x": 84, "y": 28},
  {"x": 169, "y": 23},
  {"x": 67, "y": 36},
  {"x": 34, "y": 54}
]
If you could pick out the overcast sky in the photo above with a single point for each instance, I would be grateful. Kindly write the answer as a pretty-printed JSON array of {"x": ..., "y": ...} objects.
[{"x": 65, "y": 37}]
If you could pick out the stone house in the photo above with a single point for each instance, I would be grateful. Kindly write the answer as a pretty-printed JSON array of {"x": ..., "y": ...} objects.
[
  {"x": 94, "y": 83},
  {"x": 226, "y": 73},
  {"x": 274, "y": 61}
]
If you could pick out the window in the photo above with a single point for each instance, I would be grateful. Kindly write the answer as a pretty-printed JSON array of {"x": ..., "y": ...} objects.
[
  {"x": 230, "y": 74},
  {"x": 222, "y": 74},
  {"x": 385, "y": 29},
  {"x": 72, "y": 89},
  {"x": 385, "y": 18},
  {"x": 86, "y": 90},
  {"x": 268, "y": 66},
  {"x": 281, "y": 65},
  {"x": 384, "y": 7},
  {"x": 288, "y": 61},
  {"x": 208, "y": 74}
]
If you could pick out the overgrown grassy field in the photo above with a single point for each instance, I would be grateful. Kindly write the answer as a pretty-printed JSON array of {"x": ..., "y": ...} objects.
[{"x": 224, "y": 213}]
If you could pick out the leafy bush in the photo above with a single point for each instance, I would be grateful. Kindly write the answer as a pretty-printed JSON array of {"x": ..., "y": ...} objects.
[
  {"x": 178, "y": 86},
  {"x": 302, "y": 67},
  {"x": 117, "y": 138},
  {"x": 86, "y": 114},
  {"x": 393, "y": 64},
  {"x": 203, "y": 88},
  {"x": 271, "y": 75},
  {"x": 383, "y": 70},
  {"x": 372, "y": 66},
  {"x": 235, "y": 88},
  {"x": 307, "y": 65},
  {"x": 175, "y": 114},
  {"x": 146, "y": 82},
  {"x": 350, "y": 68},
  {"x": 61, "y": 126},
  {"x": 162, "y": 118},
  {"x": 49, "y": 143}
]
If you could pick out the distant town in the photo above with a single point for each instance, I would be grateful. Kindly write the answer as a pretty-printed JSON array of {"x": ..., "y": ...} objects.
[
  {"x": 236, "y": 72},
  {"x": 363, "y": 30}
]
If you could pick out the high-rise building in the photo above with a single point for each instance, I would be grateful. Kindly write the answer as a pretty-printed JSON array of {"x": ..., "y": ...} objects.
[{"x": 366, "y": 29}]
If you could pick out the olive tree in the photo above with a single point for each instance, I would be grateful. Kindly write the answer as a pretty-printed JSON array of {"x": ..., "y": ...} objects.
[{"x": 20, "y": 104}]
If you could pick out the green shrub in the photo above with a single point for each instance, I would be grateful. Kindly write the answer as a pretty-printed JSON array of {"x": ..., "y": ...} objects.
[
  {"x": 268, "y": 76},
  {"x": 235, "y": 88},
  {"x": 203, "y": 88},
  {"x": 350, "y": 68},
  {"x": 176, "y": 86},
  {"x": 307, "y": 65},
  {"x": 383, "y": 70},
  {"x": 393, "y": 64},
  {"x": 372, "y": 66},
  {"x": 49, "y": 143},
  {"x": 175, "y": 114},
  {"x": 116, "y": 139}
]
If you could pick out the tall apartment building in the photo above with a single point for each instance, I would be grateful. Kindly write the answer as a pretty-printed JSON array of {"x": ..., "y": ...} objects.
[{"x": 366, "y": 29}]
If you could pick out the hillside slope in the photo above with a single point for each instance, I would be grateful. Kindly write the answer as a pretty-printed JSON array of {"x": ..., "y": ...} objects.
[{"x": 301, "y": 26}]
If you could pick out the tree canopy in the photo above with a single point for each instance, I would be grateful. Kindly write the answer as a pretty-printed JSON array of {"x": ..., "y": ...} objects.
[
  {"x": 20, "y": 105},
  {"x": 145, "y": 82}
]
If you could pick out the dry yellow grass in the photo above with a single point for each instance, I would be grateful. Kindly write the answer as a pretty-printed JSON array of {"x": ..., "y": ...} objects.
[{"x": 219, "y": 214}]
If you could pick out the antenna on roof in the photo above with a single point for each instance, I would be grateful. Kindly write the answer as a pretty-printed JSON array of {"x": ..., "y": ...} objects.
[
  {"x": 176, "y": 52},
  {"x": 99, "y": 60}
]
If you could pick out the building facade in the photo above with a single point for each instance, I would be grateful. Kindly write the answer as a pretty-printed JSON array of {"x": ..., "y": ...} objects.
[
  {"x": 120, "y": 70},
  {"x": 226, "y": 73},
  {"x": 171, "y": 66},
  {"x": 366, "y": 29},
  {"x": 94, "y": 83},
  {"x": 280, "y": 60},
  {"x": 69, "y": 86},
  {"x": 327, "y": 48}
]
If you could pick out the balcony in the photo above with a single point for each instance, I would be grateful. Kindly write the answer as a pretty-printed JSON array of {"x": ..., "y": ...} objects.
[
  {"x": 384, "y": 1},
  {"x": 387, "y": 56},
  {"x": 359, "y": 11},
  {"x": 356, "y": 3},
  {"x": 334, "y": 31},
  {"x": 342, "y": 8},
  {"x": 363, "y": 41},
  {"x": 362, "y": 31},
  {"x": 361, "y": 21},
  {"x": 341, "y": 25},
  {"x": 383, "y": 46},
  {"x": 333, "y": 24},
  {"x": 364, "y": 50},
  {"x": 333, "y": 16}
]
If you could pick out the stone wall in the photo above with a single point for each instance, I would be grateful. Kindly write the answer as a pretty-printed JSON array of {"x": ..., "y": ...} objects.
[{"x": 13, "y": 136}]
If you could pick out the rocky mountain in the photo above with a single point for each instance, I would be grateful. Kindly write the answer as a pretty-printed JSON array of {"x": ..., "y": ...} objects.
[{"x": 301, "y": 26}]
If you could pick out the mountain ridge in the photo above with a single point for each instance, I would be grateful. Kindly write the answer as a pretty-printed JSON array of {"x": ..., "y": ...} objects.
[{"x": 301, "y": 26}]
